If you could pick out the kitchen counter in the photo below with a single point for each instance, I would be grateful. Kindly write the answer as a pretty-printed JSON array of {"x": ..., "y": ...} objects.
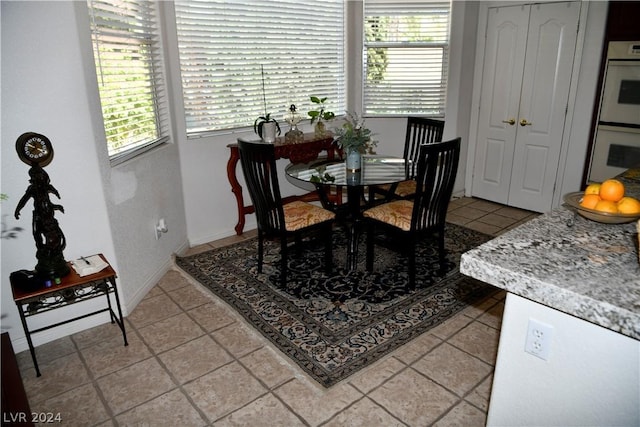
[
  {"x": 573, "y": 290},
  {"x": 589, "y": 270}
]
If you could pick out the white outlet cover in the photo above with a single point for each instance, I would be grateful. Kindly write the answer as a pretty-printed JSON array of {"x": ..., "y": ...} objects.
[{"x": 539, "y": 338}]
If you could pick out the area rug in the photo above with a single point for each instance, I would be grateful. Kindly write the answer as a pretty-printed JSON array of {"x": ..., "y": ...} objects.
[{"x": 333, "y": 326}]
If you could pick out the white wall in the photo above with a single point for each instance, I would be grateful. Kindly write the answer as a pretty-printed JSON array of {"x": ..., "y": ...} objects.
[
  {"x": 591, "y": 378},
  {"x": 49, "y": 86}
]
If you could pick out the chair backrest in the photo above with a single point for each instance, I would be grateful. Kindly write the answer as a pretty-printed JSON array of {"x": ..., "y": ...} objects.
[
  {"x": 260, "y": 174},
  {"x": 437, "y": 169},
  {"x": 420, "y": 131}
]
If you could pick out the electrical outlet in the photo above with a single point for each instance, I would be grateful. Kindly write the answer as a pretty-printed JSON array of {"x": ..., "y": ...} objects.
[{"x": 538, "y": 342}]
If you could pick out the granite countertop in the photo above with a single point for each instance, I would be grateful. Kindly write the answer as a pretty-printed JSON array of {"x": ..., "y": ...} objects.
[{"x": 589, "y": 270}]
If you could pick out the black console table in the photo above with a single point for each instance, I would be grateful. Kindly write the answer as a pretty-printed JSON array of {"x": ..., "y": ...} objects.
[{"x": 71, "y": 289}]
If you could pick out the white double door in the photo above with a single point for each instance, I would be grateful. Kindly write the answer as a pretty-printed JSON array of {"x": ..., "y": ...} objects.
[{"x": 527, "y": 69}]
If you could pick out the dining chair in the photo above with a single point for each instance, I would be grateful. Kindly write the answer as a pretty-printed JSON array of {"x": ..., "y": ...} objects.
[
  {"x": 420, "y": 130},
  {"x": 425, "y": 214},
  {"x": 275, "y": 219}
]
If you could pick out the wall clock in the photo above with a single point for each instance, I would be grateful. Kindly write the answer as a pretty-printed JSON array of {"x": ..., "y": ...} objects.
[{"x": 34, "y": 148}]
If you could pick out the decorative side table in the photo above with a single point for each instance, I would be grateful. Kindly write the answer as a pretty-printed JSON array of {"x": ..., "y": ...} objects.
[
  {"x": 302, "y": 152},
  {"x": 71, "y": 289}
]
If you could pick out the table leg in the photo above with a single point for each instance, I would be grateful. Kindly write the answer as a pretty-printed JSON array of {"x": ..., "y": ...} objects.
[
  {"x": 236, "y": 188},
  {"x": 28, "y": 335},
  {"x": 354, "y": 193},
  {"x": 121, "y": 323}
]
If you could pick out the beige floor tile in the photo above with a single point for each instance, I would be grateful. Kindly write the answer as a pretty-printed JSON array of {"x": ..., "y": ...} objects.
[
  {"x": 269, "y": 367},
  {"x": 171, "y": 332},
  {"x": 463, "y": 414},
  {"x": 238, "y": 339},
  {"x": 454, "y": 218},
  {"x": 493, "y": 316},
  {"x": 374, "y": 375},
  {"x": 417, "y": 347},
  {"x": 479, "y": 396},
  {"x": 46, "y": 353},
  {"x": 484, "y": 205},
  {"x": 212, "y": 316},
  {"x": 453, "y": 368},
  {"x": 498, "y": 220},
  {"x": 313, "y": 402},
  {"x": 483, "y": 227},
  {"x": 80, "y": 406},
  {"x": 478, "y": 340},
  {"x": 514, "y": 212},
  {"x": 228, "y": 241},
  {"x": 469, "y": 212},
  {"x": 111, "y": 355},
  {"x": 134, "y": 385},
  {"x": 265, "y": 411},
  {"x": 99, "y": 334},
  {"x": 58, "y": 376},
  {"x": 154, "y": 292},
  {"x": 224, "y": 391},
  {"x": 480, "y": 307},
  {"x": 197, "y": 249},
  {"x": 190, "y": 297},
  {"x": 364, "y": 413},
  {"x": 414, "y": 399},
  {"x": 195, "y": 358},
  {"x": 151, "y": 310},
  {"x": 450, "y": 326},
  {"x": 173, "y": 280},
  {"x": 169, "y": 409}
]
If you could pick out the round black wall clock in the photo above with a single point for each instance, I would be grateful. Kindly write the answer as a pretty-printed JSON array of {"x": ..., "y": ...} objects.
[{"x": 34, "y": 148}]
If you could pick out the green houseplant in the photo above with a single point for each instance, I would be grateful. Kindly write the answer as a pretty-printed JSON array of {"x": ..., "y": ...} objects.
[
  {"x": 266, "y": 124},
  {"x": 320, "y": 114},
  {"x": 354, "y": 139}
]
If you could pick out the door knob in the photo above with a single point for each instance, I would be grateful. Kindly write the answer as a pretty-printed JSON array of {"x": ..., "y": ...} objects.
[
  {"x": 510, "y": 121},
  {"x": 524, "y": 122}
]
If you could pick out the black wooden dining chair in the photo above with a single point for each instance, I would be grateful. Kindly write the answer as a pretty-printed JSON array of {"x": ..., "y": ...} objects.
[
  {"x": 437, "y": 166},
  {"x": 275, "y": 219},
  {"x": 420, "y": 130}
]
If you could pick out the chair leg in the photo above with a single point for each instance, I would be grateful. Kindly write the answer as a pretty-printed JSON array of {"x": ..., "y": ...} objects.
[
  {"x": 328, "y": 250},
  {"x": 260, "y": 250},
  {"x": 412, "y": 264},
  {"x": 369, "y": 263},
  {"x": 283, "y": 260}
]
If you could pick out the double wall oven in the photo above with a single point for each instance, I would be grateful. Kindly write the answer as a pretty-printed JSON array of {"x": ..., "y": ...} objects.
[{"x": 617, "y": 139}]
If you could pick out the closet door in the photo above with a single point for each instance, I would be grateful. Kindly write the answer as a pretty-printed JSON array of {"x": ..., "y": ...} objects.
[
  {"x": 504, "y": 56},
  {"x": 526, "y": 78},
  {"x": 551, "y": 43}
]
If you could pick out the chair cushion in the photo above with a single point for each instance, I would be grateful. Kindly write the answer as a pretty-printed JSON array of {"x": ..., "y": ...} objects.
[
  {"x": 396, "y": 213},
  {"x": 298, "y": 215},
  {"x": 406, "y": 188}
]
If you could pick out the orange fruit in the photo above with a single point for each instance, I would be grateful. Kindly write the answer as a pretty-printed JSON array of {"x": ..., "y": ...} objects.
[
  {"x": 606, "y": 206},
  {"x": 593, "y": 188},
  {"x": 629, "y": 205},
  {"x": 611, "y": 190},
  {"x": 589, "y": 201}
]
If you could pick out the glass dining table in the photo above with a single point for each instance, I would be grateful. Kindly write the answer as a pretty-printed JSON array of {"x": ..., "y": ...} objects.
[{"x": 327, "y": 174}]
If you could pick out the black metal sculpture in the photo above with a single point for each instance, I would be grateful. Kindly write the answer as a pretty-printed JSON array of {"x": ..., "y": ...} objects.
[{"x": 36, "y": 150}]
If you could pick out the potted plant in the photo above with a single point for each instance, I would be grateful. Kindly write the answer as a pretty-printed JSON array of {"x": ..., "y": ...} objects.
[
  {"x": 354, "y": 139},
  {"x": 320, "y": 114},
  {"x": 267, "y": 127}
]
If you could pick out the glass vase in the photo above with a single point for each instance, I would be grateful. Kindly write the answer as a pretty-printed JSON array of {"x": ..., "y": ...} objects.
[{"x": 354, "y": 160}]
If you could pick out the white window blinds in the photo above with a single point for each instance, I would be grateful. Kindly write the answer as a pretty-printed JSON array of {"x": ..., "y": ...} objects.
[
  {"x": 128, "y": 61},
  {"x": 406, "y": 50},
  {"x": 224, "y": 45}
]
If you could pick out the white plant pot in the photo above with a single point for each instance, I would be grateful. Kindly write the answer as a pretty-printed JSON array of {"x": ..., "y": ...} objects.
[{"x": 269, "y": 132}]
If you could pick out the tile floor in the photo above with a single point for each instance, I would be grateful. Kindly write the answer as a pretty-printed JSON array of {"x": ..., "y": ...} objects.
[{"x": 192, "y": 361}]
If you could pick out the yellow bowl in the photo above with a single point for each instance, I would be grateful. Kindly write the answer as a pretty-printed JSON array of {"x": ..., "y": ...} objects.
[{"x": 572, "y": 200}]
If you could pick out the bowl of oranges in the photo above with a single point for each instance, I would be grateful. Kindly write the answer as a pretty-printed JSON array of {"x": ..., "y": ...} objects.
[{"x": 604, "y": 202}]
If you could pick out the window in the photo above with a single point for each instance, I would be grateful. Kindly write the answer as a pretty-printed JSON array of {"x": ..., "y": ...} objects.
[
  {"x": 406, "y": 49},
  {"x": 127, "y": 52},
  {"x": 226, "y": 45}
]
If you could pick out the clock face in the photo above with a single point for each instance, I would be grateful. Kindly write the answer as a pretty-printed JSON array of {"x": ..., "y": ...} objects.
[{"x": 34, "y": 148}]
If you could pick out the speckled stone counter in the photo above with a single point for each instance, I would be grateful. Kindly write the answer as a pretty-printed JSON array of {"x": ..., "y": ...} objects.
[{"x": 589, "y": 270}]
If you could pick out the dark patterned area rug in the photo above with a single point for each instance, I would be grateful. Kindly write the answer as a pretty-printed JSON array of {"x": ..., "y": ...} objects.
[{"x": 334, "y": 326}]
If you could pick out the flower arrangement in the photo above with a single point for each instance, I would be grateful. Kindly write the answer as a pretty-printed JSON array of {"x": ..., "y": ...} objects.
[
  {"x": 258, "y": 125},
  {"x": 353, "y": 136}
]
